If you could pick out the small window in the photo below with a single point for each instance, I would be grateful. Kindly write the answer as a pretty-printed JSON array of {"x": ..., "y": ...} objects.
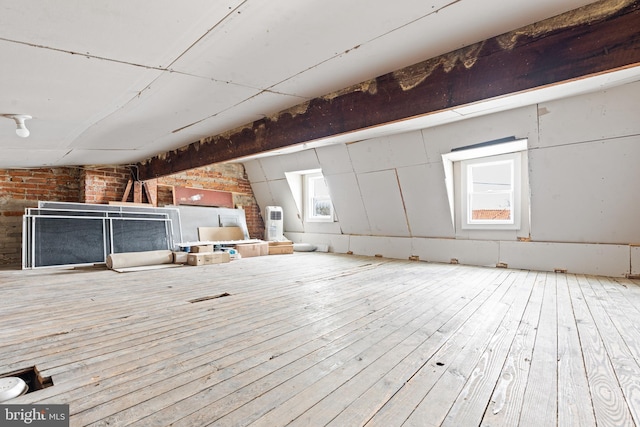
[
  {"x": 490, "y": 189},
  {"x": 318, "y": 206},
  {"x": 485, "y": 185}
]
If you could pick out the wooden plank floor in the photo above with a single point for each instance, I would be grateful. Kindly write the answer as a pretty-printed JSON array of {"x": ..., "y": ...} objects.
[{"x": 323, "y": 339}]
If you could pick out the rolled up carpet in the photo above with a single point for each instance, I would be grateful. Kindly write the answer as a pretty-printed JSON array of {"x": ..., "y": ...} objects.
[{"x": 139, "y": 259}]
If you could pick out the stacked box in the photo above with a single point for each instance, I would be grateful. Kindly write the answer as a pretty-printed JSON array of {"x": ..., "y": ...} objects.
[
  {"x": 206, "y": 258},
  {"x": 278, "y": 248},
  {"x": 180, "y": 257},
  {"x": 202, "y": 248},
  {"x": 253, "y": 249}
]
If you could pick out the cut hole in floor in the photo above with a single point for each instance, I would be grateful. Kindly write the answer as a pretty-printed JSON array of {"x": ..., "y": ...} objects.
[
  {"x": 29, "y": 378},
  {"x": 210, "y": 297}
]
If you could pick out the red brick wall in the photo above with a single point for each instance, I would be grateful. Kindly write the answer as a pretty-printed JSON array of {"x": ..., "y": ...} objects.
[
  {"x": 103, "y": 184},
  {"x": 20, "y": 189},
  {"x": 224, "y": 177}
]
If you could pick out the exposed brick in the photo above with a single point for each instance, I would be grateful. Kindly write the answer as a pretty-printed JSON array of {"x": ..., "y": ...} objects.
[
  {"x": 223, "y": 177},
  {"x": 20, "y": 189}
]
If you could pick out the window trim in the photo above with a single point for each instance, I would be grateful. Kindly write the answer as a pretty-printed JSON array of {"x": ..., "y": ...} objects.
[
  {"x": 478, "y": 152},
  {"x": 467, "y": 223},
  {"x": 297, "y": 181},
  {"x": 309, "y": 199}
]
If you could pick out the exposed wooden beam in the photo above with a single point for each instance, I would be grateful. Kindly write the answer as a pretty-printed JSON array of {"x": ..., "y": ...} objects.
[{"x": 595, "y": 39}]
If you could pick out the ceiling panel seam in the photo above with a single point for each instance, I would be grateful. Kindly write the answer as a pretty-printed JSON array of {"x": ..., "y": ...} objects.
[
  {"x": 133, "y": 64},
  {"x": 337, "y": 55}
]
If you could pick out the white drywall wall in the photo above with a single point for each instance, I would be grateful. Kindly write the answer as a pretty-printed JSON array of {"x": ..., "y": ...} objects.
[
  {"x": 584, "y": 192},
  {"x": 582, "y": 171},
  {"x": 334, "y": 159},
  {"x": 607, "y": 260},
  {"x": 424, "y": 196},
  {"x": 635, "y": 260},
  {"x": 348, "y": 204},
  {"x": 336, "y": 242},
  {"x": 388, "y": 247},
  {"x": 284, "y": 198},
  {"x": 520, "y": 122},
  {"x": 383, "y": 203},
  {"x": 596, "y": 116},
  {"x": 396, "y": 151},
  {"x": 473, "y": 252}
]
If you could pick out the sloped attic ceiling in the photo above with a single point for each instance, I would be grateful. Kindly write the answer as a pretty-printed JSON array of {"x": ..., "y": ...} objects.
[{"x": 118, "y": 82}]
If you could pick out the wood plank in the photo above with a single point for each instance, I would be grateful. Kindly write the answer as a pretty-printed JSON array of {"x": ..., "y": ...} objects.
[
  {"x": 358, "y": 373},
  {"x": 540, "y": 406},
  {"x": 360, "y": 410},
  {"x": 574, "y": 398},
  {"x": 246, "y": 380},
  {"x": 215, "y": 234},
  {"x": 100, "y": 333},
  {"x": 99, "y": 302},
  {"x": 231, "y": 323},
  {"x": 325, "y": 376},
  {"x": 622, "y": 313},
  {"x": 325, "y": 339},
  {"x": 470, "y": 404},
  {"x": 137, "y": 191},
  {"x": 454, "y": 338},
  {"x": 151, "y": 190},
  {"x": 623, "y": 362},
  {"x": 127, "y": 190},
  {"x": 608, "y": 401},
  {"x": 437, "y": 403},
  {"x": 505, "y": 404},
  {"x": 156, "y": 397}
]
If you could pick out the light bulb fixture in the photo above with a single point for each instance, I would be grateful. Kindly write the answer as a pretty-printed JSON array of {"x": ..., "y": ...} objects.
[{"x": 21, "y": 129}]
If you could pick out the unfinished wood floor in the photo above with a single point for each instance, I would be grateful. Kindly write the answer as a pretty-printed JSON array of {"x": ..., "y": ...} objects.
[{"x": 324, "y": 339}]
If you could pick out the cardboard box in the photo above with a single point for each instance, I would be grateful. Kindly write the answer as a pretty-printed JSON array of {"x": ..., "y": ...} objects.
[
  {"x": 278, "y": 248},
  {"x": 233, "y": 253},
  {"x": 202, "y": 248},
  {"x": 253, "y": 249},
  {"x": 206, "y": 258},
  {"x": 180, "y": 257}
]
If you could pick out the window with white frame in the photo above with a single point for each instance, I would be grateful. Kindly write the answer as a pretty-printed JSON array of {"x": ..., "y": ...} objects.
[
  {"x": 311, "y": 195},
  {"x": 484, "y": 185},
  {"x": 490, "y": 191},
  {"x": 317, "y": 201}
]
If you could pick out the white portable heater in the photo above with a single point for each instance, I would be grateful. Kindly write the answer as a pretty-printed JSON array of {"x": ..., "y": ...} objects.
[{"x": 273, "y": 227}]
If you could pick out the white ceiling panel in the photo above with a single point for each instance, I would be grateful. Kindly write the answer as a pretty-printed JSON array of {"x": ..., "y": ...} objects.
[
  {"x": 102, "y": 156},
  {"x": 282, "y": 41},
  {"x": 146, "y": 32},
  {"x": 17, "y": 158},
  {"x": 120, "y": 77},
  {"x": 459, "y": 24},
  {"x": 247, "y": 111},
  {"x": 67, "y": 95},
  {"x": 170, "y": 103}
]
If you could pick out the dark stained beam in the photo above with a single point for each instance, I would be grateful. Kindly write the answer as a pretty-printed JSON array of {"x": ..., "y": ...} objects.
[{"x": 595, "y": 39}]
